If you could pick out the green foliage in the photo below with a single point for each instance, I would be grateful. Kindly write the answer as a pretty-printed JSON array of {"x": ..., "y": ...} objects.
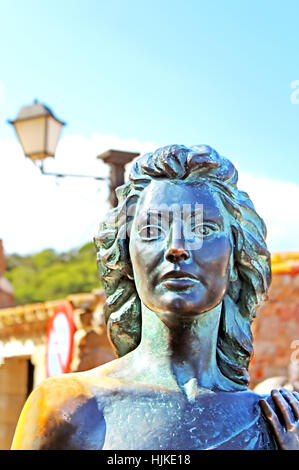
[{"x": 49, "y": 275}]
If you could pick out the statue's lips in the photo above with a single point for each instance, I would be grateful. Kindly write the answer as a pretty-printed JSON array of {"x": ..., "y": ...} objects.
[{"x": 178, "y": 280}]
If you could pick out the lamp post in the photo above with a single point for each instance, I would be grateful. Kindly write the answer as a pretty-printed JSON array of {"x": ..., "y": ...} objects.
[
  {"x": 38, "y": 131},
  {"x": 117, "y": 160}
]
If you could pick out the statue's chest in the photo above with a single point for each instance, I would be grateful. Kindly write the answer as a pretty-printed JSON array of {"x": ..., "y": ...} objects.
[
  {"x": 167, "y": 422},
  {"x": 144, "y": 423},
  {"x": 140, "y": 421}
]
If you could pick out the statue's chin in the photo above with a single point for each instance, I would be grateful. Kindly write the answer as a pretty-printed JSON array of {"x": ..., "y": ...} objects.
[{"x": 180, "y": 307}]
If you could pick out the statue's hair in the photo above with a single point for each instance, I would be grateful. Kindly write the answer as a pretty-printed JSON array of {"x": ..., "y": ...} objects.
[{"x": 249, "y": 265}]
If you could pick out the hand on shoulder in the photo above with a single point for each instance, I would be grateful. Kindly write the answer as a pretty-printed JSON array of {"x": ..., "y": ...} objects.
[{"x": 281, "y": 411}]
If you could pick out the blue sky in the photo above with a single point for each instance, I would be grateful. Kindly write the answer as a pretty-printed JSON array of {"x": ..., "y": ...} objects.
[{"x": 154, "y": 72}]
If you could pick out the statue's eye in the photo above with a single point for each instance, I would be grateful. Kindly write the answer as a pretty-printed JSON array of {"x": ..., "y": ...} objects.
[
  {"x": 205, "y": 230},
  {"x": 151, "y": 232}
]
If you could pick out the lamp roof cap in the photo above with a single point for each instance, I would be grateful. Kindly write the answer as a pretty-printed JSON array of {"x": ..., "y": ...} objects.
[{"x": 34, "y": 110}]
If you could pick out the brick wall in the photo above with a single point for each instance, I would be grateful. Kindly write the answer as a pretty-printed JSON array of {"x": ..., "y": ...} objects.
[
  {"x": 13, "y": 388},
  {"x": 275, "y": 329}
]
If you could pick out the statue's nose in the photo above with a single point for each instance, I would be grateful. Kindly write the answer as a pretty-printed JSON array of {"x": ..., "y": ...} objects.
[
  {"x": 177, "y": 255},
  {"x": 176, "y": 251}
]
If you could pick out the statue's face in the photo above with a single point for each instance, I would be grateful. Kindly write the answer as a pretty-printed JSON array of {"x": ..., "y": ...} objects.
[{"x": 180, "y": 250}]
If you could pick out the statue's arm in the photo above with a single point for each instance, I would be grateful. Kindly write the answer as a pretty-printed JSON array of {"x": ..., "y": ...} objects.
[{"x": 284, "y": 419}]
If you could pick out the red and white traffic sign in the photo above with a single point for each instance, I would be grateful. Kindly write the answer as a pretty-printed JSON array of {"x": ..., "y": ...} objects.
[{"x": 60, "y": 338}]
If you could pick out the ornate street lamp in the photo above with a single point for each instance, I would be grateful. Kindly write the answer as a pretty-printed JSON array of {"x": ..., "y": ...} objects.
[{"x": 38, "y": 131}]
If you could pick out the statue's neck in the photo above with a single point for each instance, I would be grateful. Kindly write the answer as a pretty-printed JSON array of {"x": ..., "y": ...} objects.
[{"x": 181, "y": 351}]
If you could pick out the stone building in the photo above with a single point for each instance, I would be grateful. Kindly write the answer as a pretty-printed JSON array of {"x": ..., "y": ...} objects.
[
  {"x": 23, "y": 350},
  {"x": 276, "y": 327}
]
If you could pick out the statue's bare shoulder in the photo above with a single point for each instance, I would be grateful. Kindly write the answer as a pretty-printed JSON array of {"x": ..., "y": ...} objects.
[
  {"x": 66, "y": 410},
  {"x": 57, "y": 408}
]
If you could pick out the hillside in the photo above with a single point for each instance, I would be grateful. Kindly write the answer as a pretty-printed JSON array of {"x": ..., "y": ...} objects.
[{"x": 49, "y": 275}]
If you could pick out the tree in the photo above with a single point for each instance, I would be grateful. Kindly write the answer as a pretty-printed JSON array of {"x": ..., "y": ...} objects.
[{"x": 49, "y": 275}]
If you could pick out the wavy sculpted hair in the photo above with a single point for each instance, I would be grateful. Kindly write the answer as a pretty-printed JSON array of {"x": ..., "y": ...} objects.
[{"x": 249, "y": 265}]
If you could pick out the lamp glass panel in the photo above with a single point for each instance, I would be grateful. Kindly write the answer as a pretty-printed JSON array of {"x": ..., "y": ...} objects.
[
  {"x": 53, "y": 132},
  {"x": 31, "y": 133}
]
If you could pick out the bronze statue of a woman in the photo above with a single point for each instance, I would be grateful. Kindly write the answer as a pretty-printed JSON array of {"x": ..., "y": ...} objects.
[{"x": 184, "y": 264}]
